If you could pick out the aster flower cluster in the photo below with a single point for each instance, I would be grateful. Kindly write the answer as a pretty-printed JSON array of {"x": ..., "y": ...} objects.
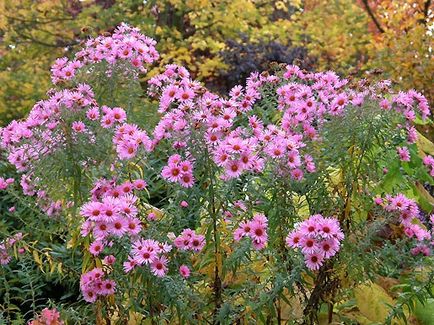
[
  {"x": 48, "y": 128},
  {"x": 178, "y": 170},
  {"x": 112, "y": 212},
  {"x": 149, "y": 252},
  {"x": 189, "y": 240},
  {"x": 4, "y": 183},
  {"x": 46, "y": 204},
  {"x": 255, "y": 229},
  {"x": 5, "y": 248},
  {"x": 128, "y": 139},
  {"x": 126, "y": 44},
  {"x": 46, "y": 131},
  {"x": 240, "y": 141},
  {"x": 428, "y": 161},
  {"x": 425, "y": 248},
  {"x": 405, "y": 102},
  {"x": 421, "y": 249},
  {"x": 318, "y": 238},
  {"x": 235, "y": 149},
  {"x": 94, "y": 284},
  {"x": 47, "y": 317},
  {"x": 43, "y": 132},
  {"x": 409, "y": 215}
]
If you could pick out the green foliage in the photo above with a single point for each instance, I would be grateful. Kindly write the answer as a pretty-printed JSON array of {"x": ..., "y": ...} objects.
[{"x": 232, "y": 283}]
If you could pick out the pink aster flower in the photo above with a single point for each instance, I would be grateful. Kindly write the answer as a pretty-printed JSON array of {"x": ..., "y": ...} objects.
[
  {"x": 172, "y": 172},
  {"x": 96, "y": 248},
  {"x": 293, "y": 239},
  {"x": 404, "y": 153},
  {"x": 329, "y": 227},
  {"x": 186, "y": 180},
  {"x": 78, "y": 126},
  {"x": 184, "y": 271},
  {"x": 185, "y": 94},
  {"x": 128, "y": 210},
  {"x": 89, "y": 295},
  {"x": 109, "y": 260},
  {"x": 258, "y": 231},
  {"x": 328, "y": 247},
  {"x": 310, "y": 226},
  {"x": 109, "y": 209},
  {"x": 130, "y": 264},
  {"x": 126, "y": 187},
  {"x": 118, "y": 114},
  {"x": 159, "y": 266},
  {"x": 119, "y": 226},
  {"x": 314, "y": 261},
  {"x": 134, "y": 226},
  {"x": 233, "y": 168},
  {"x": 127, "y": 149},
  {"x": 398, "y": 202},
  {"x": 139, "y": 184},
  {"x": 308, "y": 245},
  {"x": 294, "y": 160},
  {"x": 93, "y": 114},
  {"x": 107, "y": 121},
  {"x": 197, "y": 243},
  {"x": 297, "y": 174},
  {"x": 101, "y": 229}
]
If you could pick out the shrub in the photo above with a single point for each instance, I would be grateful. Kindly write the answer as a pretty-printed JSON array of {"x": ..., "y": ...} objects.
[{"x": 288, "y": 197}]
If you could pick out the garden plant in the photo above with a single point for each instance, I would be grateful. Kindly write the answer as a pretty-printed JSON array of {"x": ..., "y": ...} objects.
[{"x": 300, "y": 197}]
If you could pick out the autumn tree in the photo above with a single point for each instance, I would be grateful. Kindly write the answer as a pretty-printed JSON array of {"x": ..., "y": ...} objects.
[
  {"x": 192, "y": 32},
  {"x": 389, "y": 37},
  {"x": 401, "y": 43}
]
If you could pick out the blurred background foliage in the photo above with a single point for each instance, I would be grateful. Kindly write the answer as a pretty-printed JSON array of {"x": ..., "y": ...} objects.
[{"x": 222, "y": 41}]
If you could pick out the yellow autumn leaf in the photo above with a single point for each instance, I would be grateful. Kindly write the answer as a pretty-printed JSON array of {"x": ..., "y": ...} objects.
[
  {"x": 372, "y": 301},
  {"x": 424, "y": 144}
]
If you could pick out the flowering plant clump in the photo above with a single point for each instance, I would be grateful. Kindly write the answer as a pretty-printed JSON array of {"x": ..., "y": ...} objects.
[
  {"x": 93, "y": 284},
  {"x": 126, "y": 44},
  {"x": 6, "y": 247},
  {"x": 256, "y": 229},
  {"x": 4, "y": 183},
  {"x": 180, "y": 205},
  {"x": 112, "y": 211},
  {"x": 48, "y": 317},
  {"x": 318, "y": 238},
  {"x": 410, "y": 218}
]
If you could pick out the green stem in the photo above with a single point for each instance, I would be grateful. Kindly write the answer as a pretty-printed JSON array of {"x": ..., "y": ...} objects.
[{"x": 213, "y": 213}]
